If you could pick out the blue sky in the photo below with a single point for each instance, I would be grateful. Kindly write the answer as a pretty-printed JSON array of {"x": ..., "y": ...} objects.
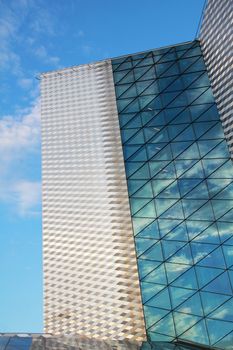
[{"x": 42, "y": 35}]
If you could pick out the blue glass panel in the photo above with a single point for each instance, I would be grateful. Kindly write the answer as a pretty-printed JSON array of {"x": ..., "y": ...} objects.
[
  {"x": 183, "y": 322},
  {"x": 209, "y": 235},
  {"x": 171, "y": 191},
  {"x": 140, "y": 224},
  {"x": 157, "y": 276},
  {"x": 206, "y": 97},
  {"x": 151, "y": 231},
  {"x": 228, "y": 253},
  {"x": 200, "y": 250},
  {"x": 198, "y": 333},
  {"x": 225, "y": 342},
  {"x": 225, "y": 230},
  {"x": 175, "y": 270},
  {"x": 179, "y": 295},
  {"x": 153, "y": 315},
  {"x": 214, "y": 259},
  {"x": 148, "y": 211},
  {"x": 137, "y": 204},
  {"x": 153, "y": 253},
  {"x": 143, "y": 244},
  {"x": 145, "y": 191},
  {"x": 218, "y": 329},
  {"x": 224, "y": 312},
  {"x": 184, "y": 255},
  {"x": 161, "y": 299},
  {"x": 170, "y": 247},
  {"x": 207, "y": 148},
  {"x": 181, "y": 191},
  {"x": 165, "y": 326},
  {"x": 211, "y": 301},
  {"x": 139, "y": 156},
  {"x": 149, "y": 290},
  {"x": 192, "y": 306},
  {"x": 187, "y": 280},
  {"x": 216, "y": 132},
  {"x": 205, "y": 275},
  {"x": 174, "y": 212},
  {"x": 137, "y": 171}
]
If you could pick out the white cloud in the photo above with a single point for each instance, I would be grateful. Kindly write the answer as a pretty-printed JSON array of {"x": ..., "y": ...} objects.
[
  {"x": 19, "y": 138},
  {"x": 21, "y": 133},
  {"x": 25, "y": 83},
  {"x": 27, "y": 196},
  {"x": 41, "y": 53},
  {"x": 87, "y": 49}
]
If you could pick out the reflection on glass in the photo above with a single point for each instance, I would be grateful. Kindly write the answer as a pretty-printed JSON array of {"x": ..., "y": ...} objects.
[{"x": 180, "y": 182}]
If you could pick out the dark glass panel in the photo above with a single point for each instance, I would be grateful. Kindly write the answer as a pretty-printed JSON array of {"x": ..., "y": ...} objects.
[
  {"x": 139, "y": 156},
  {"x": 128, "y": 121},
  {"x": 207, "y": 148},
  {"x": 185, "y": 63},
  {"x": 129, "y": 150}
]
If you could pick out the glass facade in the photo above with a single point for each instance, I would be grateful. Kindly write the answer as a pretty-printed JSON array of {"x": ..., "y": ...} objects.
[
  {"x": 180, "y": 184},
  {"x": 48, "y": 342}
]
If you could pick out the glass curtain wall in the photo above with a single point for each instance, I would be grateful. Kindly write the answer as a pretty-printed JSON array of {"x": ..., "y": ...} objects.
[{"x": 180, "y": 184}]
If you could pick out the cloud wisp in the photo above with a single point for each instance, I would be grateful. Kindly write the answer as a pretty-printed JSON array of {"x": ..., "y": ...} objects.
[{"x": 19, "y": 139}]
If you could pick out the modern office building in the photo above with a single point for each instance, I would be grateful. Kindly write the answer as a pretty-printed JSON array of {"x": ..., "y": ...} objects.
[
  {"x": 216, "y": 35},
  {"x": 138, "y": 197}
]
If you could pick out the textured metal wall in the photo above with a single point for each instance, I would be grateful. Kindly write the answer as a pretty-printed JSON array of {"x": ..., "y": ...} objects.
[
  {"x": 216, "y": 37},
  {"x": 91, "y": 282}
]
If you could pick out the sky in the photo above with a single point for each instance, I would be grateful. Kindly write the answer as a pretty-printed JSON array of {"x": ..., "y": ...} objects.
[{"x": 38, "y": 36}]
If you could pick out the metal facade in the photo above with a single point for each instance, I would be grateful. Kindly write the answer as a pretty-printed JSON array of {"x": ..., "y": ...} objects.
[
  {"x": 91, "y": 282},
  {"x": 216, "y": 37}
]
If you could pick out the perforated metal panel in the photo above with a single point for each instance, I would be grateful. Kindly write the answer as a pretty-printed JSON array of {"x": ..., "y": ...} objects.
[
  {"x": 91, "y": 282},
  {"x": 216, "y": 37}
]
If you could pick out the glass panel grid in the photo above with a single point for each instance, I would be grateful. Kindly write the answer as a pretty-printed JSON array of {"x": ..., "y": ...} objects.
[{"x": 180, "y": 181}]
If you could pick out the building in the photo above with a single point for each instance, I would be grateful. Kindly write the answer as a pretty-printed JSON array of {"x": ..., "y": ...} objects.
[
  {"x": 138, "y": 198},
  {"x": 216, "y": 37}
]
